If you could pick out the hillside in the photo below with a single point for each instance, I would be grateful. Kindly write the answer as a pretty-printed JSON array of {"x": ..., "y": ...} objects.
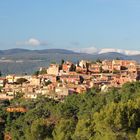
[
  {"x": 21, "y": 61},
  {"x": 94, "y": 115}
]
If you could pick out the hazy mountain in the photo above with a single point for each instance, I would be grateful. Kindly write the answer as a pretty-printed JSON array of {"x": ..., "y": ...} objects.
[
  {"x": 13, "y": 51},
  {"x": 135, "y": 57},
  {"x": 61, "y": 51},
  {"x": 17, "y": 51},
  {"x": 27, "y": 61},
  {"x": 1, "y": 52}
]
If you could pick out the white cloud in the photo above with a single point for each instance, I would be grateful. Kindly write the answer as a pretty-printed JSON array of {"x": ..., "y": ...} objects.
[
  {"x": 90, "y": 50},
  {"x": 130, "y": 52},
  {"x": 122, "y": 51},
  {"x": 94, "y": 50},
  {"x": 106, "y": 50},
  {"x": 32, "y": 42}
]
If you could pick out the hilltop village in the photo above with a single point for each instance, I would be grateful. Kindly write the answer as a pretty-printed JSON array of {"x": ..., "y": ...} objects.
[{"x": 60, "y": 80}]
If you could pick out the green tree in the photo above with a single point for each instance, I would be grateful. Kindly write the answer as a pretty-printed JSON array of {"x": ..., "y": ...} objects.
[
  {"x": 39, "y": 130},
  {"x": 62, "y": 61},
  {"x": 98, "y": 60},
  {"x": 116, "y": 118},
  {"x": 64, "y": 129},
  {"x": 61, "y": 65},
  {"x": 43, "y": 71},
  {"x": 130, "y": 90},
  {"x": 36, "y": 73},
  {"x": 73, "y": 67},
  {"x": 113, "y": 95},
  {"x": 21, "y": 81},
  {"x": 0, "y": 73},
  {"x": 138, "y": 134},
  {"x": 84, "y": 130}
]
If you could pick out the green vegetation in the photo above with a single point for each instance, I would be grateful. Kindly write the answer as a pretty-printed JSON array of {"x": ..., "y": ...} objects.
[
  {"x": 99, "y": 61},
  {"x": 73, "y": 67},
  {"x": 43, "y": 71},
  {"x": 0, "y": 73},
  {"x": 21, "y": 81},
  {"x": 114, "y": 115}
]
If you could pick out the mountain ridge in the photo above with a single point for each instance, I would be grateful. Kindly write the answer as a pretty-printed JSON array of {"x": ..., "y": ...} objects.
[
  {"x": 20, "y": 50},
  {"x": 66, "y": 51}
]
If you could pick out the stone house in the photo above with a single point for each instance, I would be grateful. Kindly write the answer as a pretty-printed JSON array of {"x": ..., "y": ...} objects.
[
  {"x": 81, "y": 89},
  {"x": 67, "y": 66},
  {"x": 94, "y": 68},
  {"x": 81, "y": 70},
  {"x": 84, "y": 63},
  {"x": 61, "y": 92},
  {"x": 107, "y": 65},
  {"x": 52, "y": 78},
  {"x": 10, "y": 79},
  {"x": 123, "y": 64},
  {"x": 45, "y": 90},
  {"x": 6, "y": 97},
  {"x": 53, "y": 69},
  {"x": 30, "y": 96},
  {"x": 36, "y": 81},
  {"x": 116, "y": 65},
  {"x": 2, "y": 82},
  {"x": 126, "y": 63},
  {"x": 29, "y": 89},
  {"x": 70, "y": 78}
]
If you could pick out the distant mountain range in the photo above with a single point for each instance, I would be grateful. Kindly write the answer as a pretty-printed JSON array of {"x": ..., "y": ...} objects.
[
  {"x": 17, "y": 51},
  {"x": 22, "y": 61}
]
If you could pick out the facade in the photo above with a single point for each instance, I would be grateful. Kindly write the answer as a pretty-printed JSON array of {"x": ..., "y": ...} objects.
[
  {"x": 2, "y": 82},
  {"x": 67, "y": 66},
  {"x": 10, "y": 79},
  {"x": 53, "y": 69},
  {"x": 35, "y": 81},
  {"x": 94, "y": 68},
  {"x": 107, "y": 65}
]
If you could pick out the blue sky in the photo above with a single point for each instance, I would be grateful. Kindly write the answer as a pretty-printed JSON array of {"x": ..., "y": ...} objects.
[{"x": 42, "y": 24}]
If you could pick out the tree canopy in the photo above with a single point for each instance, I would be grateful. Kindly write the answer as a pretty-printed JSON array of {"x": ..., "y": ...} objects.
[{"x": 114, "y": 115}]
